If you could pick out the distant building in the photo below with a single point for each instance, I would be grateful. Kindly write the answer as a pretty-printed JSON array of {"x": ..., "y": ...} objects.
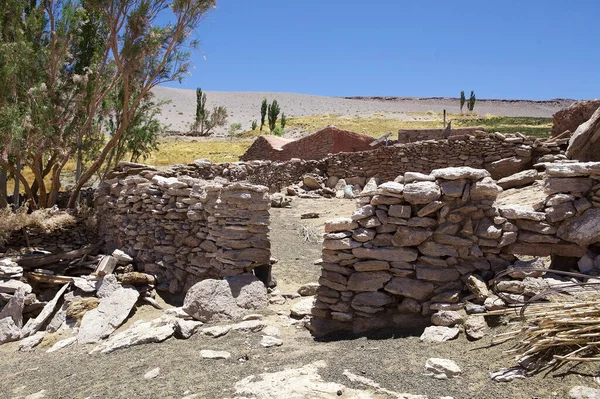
[{"x": 329, "y": 140}]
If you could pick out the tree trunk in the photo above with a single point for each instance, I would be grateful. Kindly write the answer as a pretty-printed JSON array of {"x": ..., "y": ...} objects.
[
  {"x": 16, "y": 190},
  {"x": 3, "y": 188}
]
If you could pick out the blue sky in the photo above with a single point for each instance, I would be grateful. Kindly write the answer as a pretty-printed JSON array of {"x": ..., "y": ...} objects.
[{"x": 529, "y": 49}]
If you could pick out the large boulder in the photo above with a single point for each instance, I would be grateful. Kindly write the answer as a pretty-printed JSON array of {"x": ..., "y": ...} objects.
[
  {"x": 223, "y": 300},
  {"x": 574, "y": 115},
  {"x": 584, "y": 145}
]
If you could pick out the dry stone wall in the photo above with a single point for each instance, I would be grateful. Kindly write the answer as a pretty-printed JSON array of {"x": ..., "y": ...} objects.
[
  {"x": 499, "y": 154},
  {"x": 502, "y": 155},
  {"x": 184, "y": 229},
  {"x": 407, "y": 250}
]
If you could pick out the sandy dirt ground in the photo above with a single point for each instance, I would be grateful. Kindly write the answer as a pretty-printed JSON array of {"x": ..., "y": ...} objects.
[
  {"x": 244, "y": 107},
  {"x": 393, "y": 359}
]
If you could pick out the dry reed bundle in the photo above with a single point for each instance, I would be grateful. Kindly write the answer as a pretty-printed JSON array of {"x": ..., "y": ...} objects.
[{"x": 558, "y": 325}]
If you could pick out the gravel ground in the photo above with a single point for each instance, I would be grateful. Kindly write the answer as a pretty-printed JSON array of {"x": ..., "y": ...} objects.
[
  {"x": 395, "y": 360},
  {"x": 244, "y": 107}
]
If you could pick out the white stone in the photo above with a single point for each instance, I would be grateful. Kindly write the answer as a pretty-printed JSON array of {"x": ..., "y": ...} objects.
[
  {"x": 9, "y": 331},
  {"x": 249, "y": 326},
  {"x": 216, "y": 331},
  {"x": 581, "y": 392},
  {"x": 152, "y": 373},
  {"x": 33, "y": 325},
  {"x": 112, "y": 311},
  {"x": 268, "y": 341},
  {"x": 122, "y": 257},
  {"x": 63, "y": 343},
  {"x": 210, "y": 354},
  {"x": 439, "y": 334},
  {"x": 442, "y": 368},
  {"x": 303, "y": 307},
  {"x": 186, "y": 328},
  {"x": 140, "y": 332},
  {"x": 460, "y": 172},
  {"x": 31, "y": 342}
]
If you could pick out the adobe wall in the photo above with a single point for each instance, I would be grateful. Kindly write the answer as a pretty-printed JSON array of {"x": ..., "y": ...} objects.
[
  {"x": 184, "y": 229},
  {"x": 412, "y": 135},
  {"x": 329, "y": 140},
  {"x": 408, "y": 248}
]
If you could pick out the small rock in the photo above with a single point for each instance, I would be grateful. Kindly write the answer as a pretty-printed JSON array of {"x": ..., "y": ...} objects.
[
  {"x": 210, "y": 354},
  {"x": 268, "y": 341},
  {"x": 63, "y": 343},
  {"x": 447, "y": 318},
  {"x": 9, "y": 331},
  {"x": 508, "y": 374},
  {"x": 442, "y": 368},
  {"x": 581, "y": 392},
  {"x": 152, "y": 373},
  {"x": 303, "y": 307},
  {"x": 216, "y": 331},
  {"x": 309, "y": 289},
  {"x": 31, "y": 342},
  {"x": 439, "y": 334},
  {"x": 476, "y": 327},
  {"x": 271, "y": 331},
  {"x": 249, "y": 326},
  {"x": 186, "y": 328},
  {"x": 122, "y": 257}
]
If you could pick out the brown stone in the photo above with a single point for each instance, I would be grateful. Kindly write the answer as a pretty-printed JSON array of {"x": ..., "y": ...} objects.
[
  {"x": 368, "y": 281},
  {"x": 387, "y": 254},
  {"x": 410, "y": 288},
  {"x": 410, "y": 236}
]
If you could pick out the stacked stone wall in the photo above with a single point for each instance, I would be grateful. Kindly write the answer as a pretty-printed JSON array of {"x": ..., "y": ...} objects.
[
  {"x": 407, "y": 250},
  {"x": 184, "y": 229},
  {"x": 412, "y": 135}
]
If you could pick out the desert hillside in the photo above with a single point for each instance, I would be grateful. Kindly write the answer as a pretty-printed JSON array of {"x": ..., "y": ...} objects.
[{"x": 244, "y": 107}]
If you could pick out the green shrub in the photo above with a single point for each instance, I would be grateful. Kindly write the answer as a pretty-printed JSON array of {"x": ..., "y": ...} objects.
[
  {"x": 234, "y": 128},
  {"x": 283, "y": 120},
  {"x": 273, "y": 114},
  {"x": 472, "y": 100},
  {"x": 263, "y": 113},
  {"x": 254, "y": 125},
  {"x": 278, "y": 131}
]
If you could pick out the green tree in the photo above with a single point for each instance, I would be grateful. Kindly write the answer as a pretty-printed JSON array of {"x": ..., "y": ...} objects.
[
  {"x": 283, "y": 120},
  {"x": 472, "y": 100},
  {"x": 273, "y": 113},
  {"x": 463, "y": 100},
  {"x": 254, "y": 125},
  {"x": 202, "y": 114},
  {"x": 263, "y": 113}
]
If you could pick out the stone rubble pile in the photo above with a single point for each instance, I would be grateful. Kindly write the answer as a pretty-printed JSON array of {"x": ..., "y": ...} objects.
[
  {"x": 408, "y": 253},
  {"x": 183, "y": 229}
]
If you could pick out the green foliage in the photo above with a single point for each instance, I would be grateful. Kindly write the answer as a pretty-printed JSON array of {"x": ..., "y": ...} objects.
[
  {"x": 273, "y": 114},
  {"x": 463, "y": 100},
  {"x": 202, "y": 114},
  {"x": 472, "y": 100},
  {"x": 278, "y": 131},
  {"x": 263, "y": 113},
  {"x": 218, "y": 118},
  {"x": 254, "y": 125},
  {"x": 283, "y": 120},
  {"x": 234, "y": 128}
]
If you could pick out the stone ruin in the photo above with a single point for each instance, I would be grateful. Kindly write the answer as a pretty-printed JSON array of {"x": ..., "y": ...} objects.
[
  {"x": 184, "y": 229},
  {"x": 409, "y": 248}
]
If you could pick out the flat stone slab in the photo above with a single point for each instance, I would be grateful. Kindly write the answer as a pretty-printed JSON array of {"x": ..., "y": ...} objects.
[
  {"x": 439, "y": 334},
  {"x": 112, "y": 311}
]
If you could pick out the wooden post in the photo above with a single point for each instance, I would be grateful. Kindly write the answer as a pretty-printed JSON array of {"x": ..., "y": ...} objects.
[{"x": 444, "y": 119}]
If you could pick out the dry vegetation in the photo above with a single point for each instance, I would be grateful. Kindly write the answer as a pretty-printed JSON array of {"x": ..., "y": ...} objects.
[
  {"x": 379, "y": 125},
  {"x": 175, "y": 151},
  {"x": 45, "y": 219}
]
